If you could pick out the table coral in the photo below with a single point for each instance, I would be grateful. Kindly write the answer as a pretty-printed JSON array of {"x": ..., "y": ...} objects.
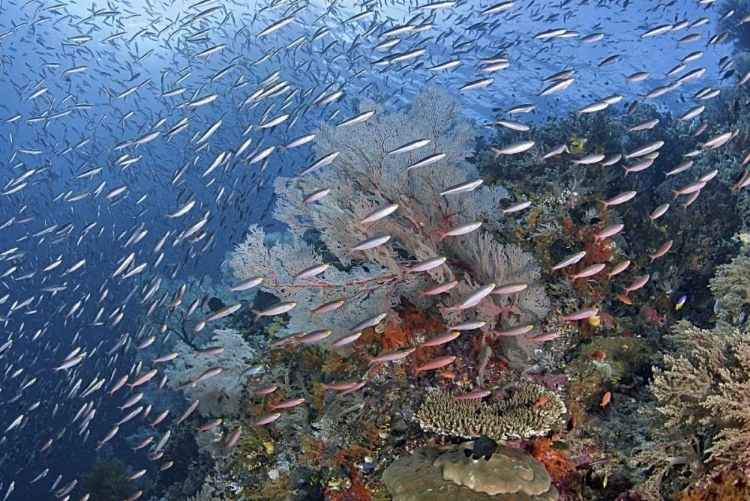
[{"x": 519, "y": 416}]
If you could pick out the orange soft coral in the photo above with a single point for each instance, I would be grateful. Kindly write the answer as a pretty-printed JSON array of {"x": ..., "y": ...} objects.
[
  {"x": 556, "y": 462},
  {"x": 412, "y": 322}
]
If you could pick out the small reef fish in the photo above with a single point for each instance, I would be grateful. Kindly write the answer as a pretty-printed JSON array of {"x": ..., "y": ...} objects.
[
  {"x": 436, "y": 363},
  {"x": 472, "y": 395}
]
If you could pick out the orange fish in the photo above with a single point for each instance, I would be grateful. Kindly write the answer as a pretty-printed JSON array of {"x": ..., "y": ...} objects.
[
  {"x": 607, "y": 319},
  {"x": 625, "y": 299},
  {"x": 436, "y": 363},
  {"x": 542, "y": 400},
  {"x": 598, "y": 354},
  {"x": 605, "y": 399},
  {"x": 573, "y": 423},
  {"x": 447, "y": 373}
]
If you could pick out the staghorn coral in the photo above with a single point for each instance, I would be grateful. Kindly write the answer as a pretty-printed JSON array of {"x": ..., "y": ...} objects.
[
  {"x": 531, "y": 410},
  {"x": 447, "y": 473},
  {"x": 731, "y": 287}
]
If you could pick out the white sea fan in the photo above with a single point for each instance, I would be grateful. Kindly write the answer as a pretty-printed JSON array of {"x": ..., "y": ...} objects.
[
  {"x": 363, "y": 177},
  {"x": 494, "y": 262},
  {"x": 365, "y": 286},
  {"x": 221, "y": 395}
]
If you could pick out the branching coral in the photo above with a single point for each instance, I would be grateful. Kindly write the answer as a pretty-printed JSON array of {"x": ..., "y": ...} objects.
[
  {"x": 531, "y": 410},
  {"x": 703, "y": 392},
  {"x": 661, "y": 458},
  {"x": 731, "y": 286}
]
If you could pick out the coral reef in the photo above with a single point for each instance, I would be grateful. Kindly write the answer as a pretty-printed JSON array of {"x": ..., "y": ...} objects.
[
  {"x": 557, "y": 462},
  {"x": 449, "y": 473},
  {"x": 601, "y": 366},
  {"x": 531, "y": 410},
  {"x": 727, "y": 486},
  {"x": 689, "y": 441},
  {"x": 708, "y": 386},
  {"x": 365, "y": 176}
]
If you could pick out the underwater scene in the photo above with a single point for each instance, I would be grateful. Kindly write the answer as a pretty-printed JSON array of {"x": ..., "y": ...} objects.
[{"x": 374, "y": 250}]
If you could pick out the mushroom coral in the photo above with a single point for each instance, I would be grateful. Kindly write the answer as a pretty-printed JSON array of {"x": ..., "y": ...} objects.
[{"x": 449, "y": 473}]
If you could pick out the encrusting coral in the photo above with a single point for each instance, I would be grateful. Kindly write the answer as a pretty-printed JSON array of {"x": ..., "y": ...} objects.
[
  {"x": 449, "y": 473},
  {"x": 531, "y": 410}
]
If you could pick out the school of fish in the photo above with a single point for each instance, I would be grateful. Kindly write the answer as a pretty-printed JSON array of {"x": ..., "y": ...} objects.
[{"x": 141, "y": 139}]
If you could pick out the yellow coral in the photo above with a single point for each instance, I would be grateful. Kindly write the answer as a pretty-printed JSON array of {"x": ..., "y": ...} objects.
[
  {"x": 275, "y": 326},
  {"x": 576, "y": 145}
]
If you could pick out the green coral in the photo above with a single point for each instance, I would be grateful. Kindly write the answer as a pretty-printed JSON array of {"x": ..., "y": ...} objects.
[
  {"x": 251, "y": 450},
  {"x": 275, "y": 326},
  {"x": 590, "y": 377}
]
